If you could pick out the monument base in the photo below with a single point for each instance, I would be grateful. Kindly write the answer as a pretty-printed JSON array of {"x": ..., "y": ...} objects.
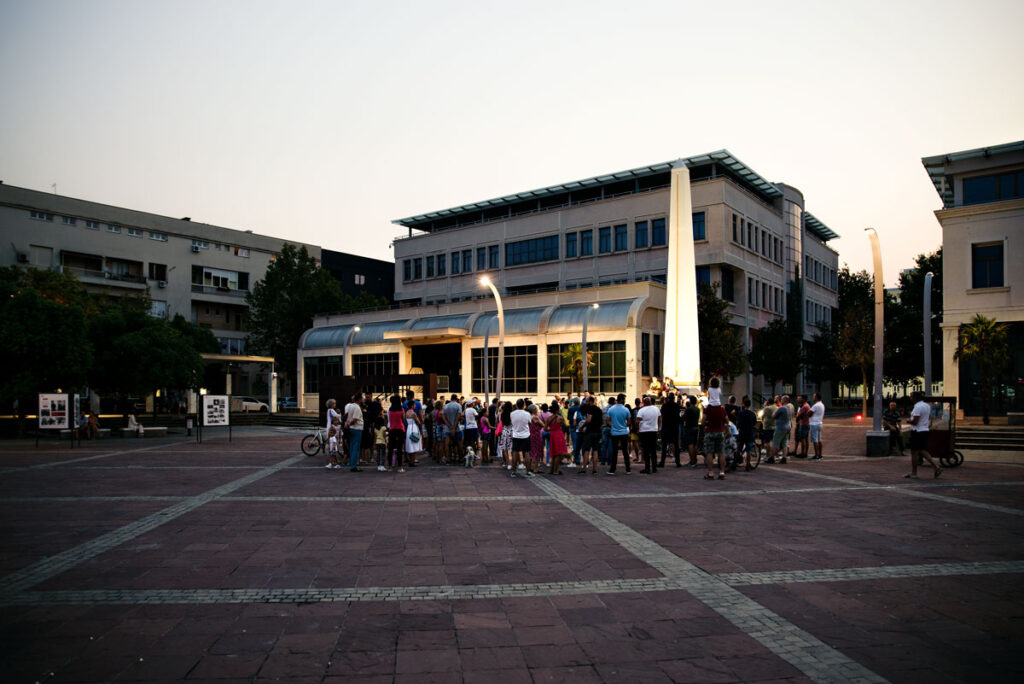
[{"x": 878, "y": 443}]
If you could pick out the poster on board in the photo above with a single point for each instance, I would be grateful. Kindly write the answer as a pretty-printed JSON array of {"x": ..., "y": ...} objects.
[
  {"x": 215, "y": 410},
  {"x": 53, "y": 412}
]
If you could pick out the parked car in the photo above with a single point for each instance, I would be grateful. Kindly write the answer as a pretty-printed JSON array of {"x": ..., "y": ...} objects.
[
  {"x": 285, "y": 403},
  {"x": 253, "y": 404}
]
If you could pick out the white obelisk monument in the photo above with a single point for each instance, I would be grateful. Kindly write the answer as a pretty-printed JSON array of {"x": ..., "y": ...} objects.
[{"x": 682, "y": 350}]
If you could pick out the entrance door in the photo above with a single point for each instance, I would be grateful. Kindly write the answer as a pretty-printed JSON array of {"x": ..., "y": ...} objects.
[{"x": 443, "y": 359}]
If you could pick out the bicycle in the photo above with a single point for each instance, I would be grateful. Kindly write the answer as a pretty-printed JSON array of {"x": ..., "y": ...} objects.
[{"x": 315, "y": 443}]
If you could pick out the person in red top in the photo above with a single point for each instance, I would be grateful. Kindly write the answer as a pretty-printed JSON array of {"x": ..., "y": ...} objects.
[
  {"x": 803, "y": 426},
  {"x": 715, "y": 427}
]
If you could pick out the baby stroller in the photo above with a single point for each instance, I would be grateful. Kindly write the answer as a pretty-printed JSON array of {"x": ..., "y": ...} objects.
[{"x": 731, "y": 447}]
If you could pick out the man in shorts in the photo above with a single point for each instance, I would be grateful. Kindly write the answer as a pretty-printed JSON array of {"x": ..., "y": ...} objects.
[
  {"x": 715, "y": 431},
  {"x": 768, "y": 427},
  {"x": 745, "y": 424},
  {"x": 648, "y": 420},
  {"x": 783, "y": 417},
  {"x": 920, "y": 420},
  {"x": 451, "y": 414},
  {"x": 590, "y": 434},
  {"x": 520, "y": 438},
  {"x": 619, "y": 425},
  {"x": 670, "y": 429},
  {"x": 817, "y": 416}
]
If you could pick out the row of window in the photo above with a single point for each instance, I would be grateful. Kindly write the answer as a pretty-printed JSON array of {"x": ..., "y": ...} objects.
[
  {"x": 994, "y": 188},
  {"x": 95, "y": 225},
  {"x": 756, "y": 239},
  {"x": 818, "y": 314},
  {"x": 764, "y": 295},
  {"x": 364, "y": 365},
  {"x": 817, "y": 272},
  {"x": 607, "y": 373},
  {"x": 219, "y": 246}
]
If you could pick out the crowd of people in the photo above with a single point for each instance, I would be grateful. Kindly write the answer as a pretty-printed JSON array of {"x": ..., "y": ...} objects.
[{"x": 576, "y": 433}]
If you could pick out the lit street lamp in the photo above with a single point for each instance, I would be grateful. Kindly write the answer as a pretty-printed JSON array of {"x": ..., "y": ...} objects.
[
  {"x": 583, "y": 350},
  {"x": 501, "y": 337},
  {"x": 878, "y": 439}
]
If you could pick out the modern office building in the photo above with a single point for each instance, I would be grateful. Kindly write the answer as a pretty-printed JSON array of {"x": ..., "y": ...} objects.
[
  {"x": 357, "y": 274},
  {"x": 198, "y": 270},
  {"x": 982, "y": 218},
  {"x": 555, "y": 251}
]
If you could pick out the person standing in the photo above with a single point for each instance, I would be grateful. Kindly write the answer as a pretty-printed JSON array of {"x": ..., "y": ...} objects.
[
  {"x": 451, "y": 414},
  {"x": 803, "y": 426},
  {"x": 891, "y": 419},
  {"x": 691, "y": 429},
  {"x": 670, "y": 429},
  {"x": 536, "y": 439},
  {"x": 354, "y": 424},
  {"x": 504, "y": 434},
  {"x": 920, "y": 422},
  {"x": 768, "y": 427},
  {"x": 649, "y": 424},
  {"x": 396, "y": 434},
  {"x": 783, "y": 416},
  {"x": 619, "y": 421},
  {"x": 817, "y": 417},
  {"x": 746, "y": 421},
  {"x": 715, "y": 430},
  {"x": 590, "y": 434},
  {"x": 557, "y": 438},
  {"x": 472, "y": 429},
  {"x": 520, "y": 438}
]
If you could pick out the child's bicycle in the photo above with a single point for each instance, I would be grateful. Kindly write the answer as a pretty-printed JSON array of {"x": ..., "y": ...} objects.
[{"x": 315, "y": 443}]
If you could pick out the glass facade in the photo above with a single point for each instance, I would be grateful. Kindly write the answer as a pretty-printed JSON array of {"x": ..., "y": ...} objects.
[
  {"x": 531, "y": 251},
  {"x": 520, "y": 373},
  {"x": 607, "y": 375}
]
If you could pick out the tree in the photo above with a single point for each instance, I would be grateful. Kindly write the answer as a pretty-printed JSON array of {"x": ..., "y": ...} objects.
[
  {"x": 283, "y": 303},
  {"x": 909, "y": 315},
  {"x": 572, "y": 364},
  {"x": 43, "y": 346},
  {"x": 776, "y": 352},
  {"x": 201, "y": 339},
  {"x": 986, "y": 342},
  {"x": 855, "y": 326},
  {"x": 721, "y": 348}
]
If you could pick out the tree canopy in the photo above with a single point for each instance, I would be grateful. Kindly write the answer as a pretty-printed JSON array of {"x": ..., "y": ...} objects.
[
  {"x": 986, "y": 342},
  {"x": 721, "y": 347},
  {"x": 776, "y": 352},
  {"x": 854, "y": 327},
  {"x": 283, "y": 303}
]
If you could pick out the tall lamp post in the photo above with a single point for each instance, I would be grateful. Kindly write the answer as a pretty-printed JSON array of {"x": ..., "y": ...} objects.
[
  {"x": 878, "y": 439},
  {"x": 583, "y": 350},
  {"x": 928, "y": 333},
  {"x": 501, "y": 334},
  {"x": 346, "y": 364}
]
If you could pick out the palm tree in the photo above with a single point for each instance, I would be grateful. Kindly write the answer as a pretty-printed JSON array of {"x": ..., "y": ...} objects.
[
  {"x": 572, "y": 364},
  {"x": 985, "y": 341}
]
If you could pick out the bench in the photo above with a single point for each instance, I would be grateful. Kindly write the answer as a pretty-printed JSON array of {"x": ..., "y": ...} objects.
[{"x": 158, "y": 431}]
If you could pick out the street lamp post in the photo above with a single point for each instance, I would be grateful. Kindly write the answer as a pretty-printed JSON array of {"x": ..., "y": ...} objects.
[
  {"x": 928, "y": 333},
  {"x": 346, "y": 364},
  {"x": 501, "y": 333},
  {"x": 583, "y": 350},
  {"x": 878, "y": 439}
]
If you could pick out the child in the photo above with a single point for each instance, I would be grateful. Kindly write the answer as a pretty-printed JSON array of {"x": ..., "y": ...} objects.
[
  {"x": 715, "y": 393},
  {"x": 333, "y": 436},
  {"x": 381, "y": 443}
]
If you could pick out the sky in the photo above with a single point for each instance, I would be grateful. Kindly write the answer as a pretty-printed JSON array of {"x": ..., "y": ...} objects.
[{"x": 323, "y": 121}]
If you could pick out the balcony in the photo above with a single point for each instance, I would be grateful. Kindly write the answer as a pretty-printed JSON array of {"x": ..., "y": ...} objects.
[
  {"x": 92, "y": 276},
  {"x": 219, "y": 291}
]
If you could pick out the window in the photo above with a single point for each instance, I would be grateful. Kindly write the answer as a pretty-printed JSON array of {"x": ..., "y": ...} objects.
[
  {"x": 531, "y": 251},
  {"x": 586, "y": 243},
  {"x": 481, "y": 258},
  {"x": 456, "y": 263},
  {"x": 658, "y": 370},
  {"x": 157, "y": 271},
  {"x": 607, "y": 374},
  {"x": 359, "y": 279},
  {"x": 158, "y": 309},
  {"x": 764, "y": 295},
  {"x": 743, "y": 232},
  {"x": 407, "y": 270},
  {"x": 621, "y": 238},
  {"x": 699, "y": 230},
  {"x": 375, "y": 365},
  {"x": 430, "y": 267},
  {"x": 68, "y": 221},
  {"x": 764, "y": 243},
  {"x": 750, "y": 237},
  {"x": 117, "y": 229},
  {"x": 41, "y": 216},
  {"x": 519, "y": 375},
  {"x": 703, "y": 274},
  {"x": 604, "y": 240},
  {"x": 728, "y": 285},
  {"x": 201, "y": 244},
  {"x": 241, "y": 252},
  {"x": 987, "y": 265},
  {"x": 417, "y": 269},
  {"x": 92, "y": 225},
  {"x": 159, "y": 237},
  {"x": 467, "y": 261},
  {"x": 641, "y": 234},
  {"x": 134, "y": 232},
  {"x": 320, "y": 367},
  {"x": 441, "y": 266},
  {"x": 657, "y": 232},
  {"x": 994, "y": 188},
  {"x": 570, "y": 245},
  {"x": 750, "y": 290},
  {"x": 492, "y": 256},
  {"x": 645, "y": 354},
  {"x": 734, "y": 236}
]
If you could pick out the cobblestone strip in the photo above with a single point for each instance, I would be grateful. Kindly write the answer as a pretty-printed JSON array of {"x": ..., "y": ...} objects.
[
  {"x": 54, "y": 565},
  {"x": 912, "y": 490},
  {"x": 66, "y": 499},
  {"x": 816, "y": 659},
  {"x": 883, "y": 572},
  {"x": 54, "y": 464},
  {"x": 330, "y": 594},
  {"x": 386, "y": 499}
]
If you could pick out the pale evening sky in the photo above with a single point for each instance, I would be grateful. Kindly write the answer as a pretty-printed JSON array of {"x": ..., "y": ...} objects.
[{"x": 322, "y": 121}]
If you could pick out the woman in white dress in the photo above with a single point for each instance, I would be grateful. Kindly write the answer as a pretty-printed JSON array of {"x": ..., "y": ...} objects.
[{"x": 413, "y": 437}]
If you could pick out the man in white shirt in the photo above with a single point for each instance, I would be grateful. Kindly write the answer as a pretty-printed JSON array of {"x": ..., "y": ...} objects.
[
  {"x": 649, "y": 418},
  {"x": 354, "y": 423},
  {"x": 817, "y": 416},
  {"x": 920, "y": 420},
  {"x": 472, "y": 434},
  {"x": 520, "y": 438}
]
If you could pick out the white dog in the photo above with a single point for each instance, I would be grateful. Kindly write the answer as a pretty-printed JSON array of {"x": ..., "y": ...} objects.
[{"x": 470, "y": 457}]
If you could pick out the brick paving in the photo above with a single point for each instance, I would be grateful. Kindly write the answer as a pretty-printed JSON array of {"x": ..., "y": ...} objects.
[{"x": 245, "y": 561}]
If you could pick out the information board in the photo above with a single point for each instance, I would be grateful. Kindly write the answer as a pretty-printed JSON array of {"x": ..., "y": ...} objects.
[
  {"x": 54, "y": 413},
  {"x": 215, "y": 410}
]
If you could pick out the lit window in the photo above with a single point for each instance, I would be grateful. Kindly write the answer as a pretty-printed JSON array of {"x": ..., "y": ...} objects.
[{"x": 360, "y": 279}]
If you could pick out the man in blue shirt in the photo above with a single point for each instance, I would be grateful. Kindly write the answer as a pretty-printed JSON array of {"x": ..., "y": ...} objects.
[{"x": 619, "y": 418}]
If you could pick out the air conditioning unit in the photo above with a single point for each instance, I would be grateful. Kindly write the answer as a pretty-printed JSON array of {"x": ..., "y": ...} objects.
[
  {"x": 195, "y": 248},
  {"x": 161, "y": 283}
]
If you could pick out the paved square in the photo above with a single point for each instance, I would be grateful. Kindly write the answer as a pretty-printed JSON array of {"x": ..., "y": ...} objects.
[{"x": 246, "y": 561}]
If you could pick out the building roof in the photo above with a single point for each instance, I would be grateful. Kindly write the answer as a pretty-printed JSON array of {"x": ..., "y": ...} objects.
[
  {"x": 590, "y": 189},
  {"x": 936, "y": 166},
  {"x": 819, "y": 228}
]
